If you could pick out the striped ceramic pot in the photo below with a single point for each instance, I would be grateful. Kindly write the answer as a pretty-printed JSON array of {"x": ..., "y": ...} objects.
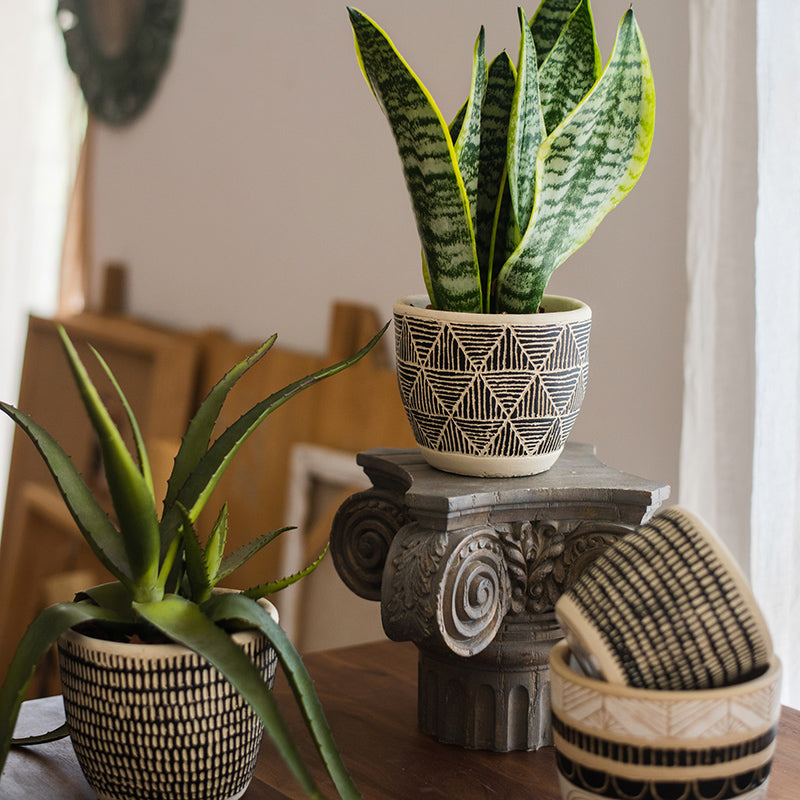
[
  {"x": 618, "y": 743},
  {"x": 157, "y": 721},
  {"x": 492, "y": 395}
]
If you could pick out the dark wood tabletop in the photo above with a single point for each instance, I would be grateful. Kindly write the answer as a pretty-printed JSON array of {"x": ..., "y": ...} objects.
[{"x": 369, "y": 695}]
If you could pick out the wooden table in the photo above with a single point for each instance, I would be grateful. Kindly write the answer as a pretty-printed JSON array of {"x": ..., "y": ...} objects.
[{"x": 369, "y": 694}]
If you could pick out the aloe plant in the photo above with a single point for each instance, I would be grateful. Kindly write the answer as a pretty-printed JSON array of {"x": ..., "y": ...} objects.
[
  {"x": 536, "y": 157},
  {"x": 164, "y": 573}
]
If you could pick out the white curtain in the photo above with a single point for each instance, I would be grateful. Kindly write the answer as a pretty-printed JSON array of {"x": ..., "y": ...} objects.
[
  {"x": 776, "y": 457},
  {"x": 740, "y": 447},
  {"x": 42, "y": 119}
]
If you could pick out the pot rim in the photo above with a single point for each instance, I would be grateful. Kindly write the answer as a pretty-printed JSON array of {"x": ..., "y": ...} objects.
[
  {"x": 559, "y": 664},
  {"x": 566, "y": 309},
  {"x": 163, "y": 650}
]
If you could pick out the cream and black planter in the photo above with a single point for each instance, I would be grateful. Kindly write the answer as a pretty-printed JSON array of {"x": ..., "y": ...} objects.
[
  {"x": 492, "y": 395},
  {"x": 154, "y": 721}
]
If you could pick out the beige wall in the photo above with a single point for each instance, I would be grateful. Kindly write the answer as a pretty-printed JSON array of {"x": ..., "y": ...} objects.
[{"x": 263, "y": 182}]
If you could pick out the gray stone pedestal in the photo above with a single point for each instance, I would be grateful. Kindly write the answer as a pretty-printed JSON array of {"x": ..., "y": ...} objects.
[{"x": 469, "y": 569}]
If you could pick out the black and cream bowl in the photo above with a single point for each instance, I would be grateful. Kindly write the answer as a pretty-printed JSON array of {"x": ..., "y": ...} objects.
[
  {"x": 620, "y": 742},
  {"x": 492, "y": 395},
  {"x": 157, "y": 721}
]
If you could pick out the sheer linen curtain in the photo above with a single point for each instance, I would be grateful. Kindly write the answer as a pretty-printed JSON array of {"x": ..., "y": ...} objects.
[
  {"x": 740, "y": 446},
  {"x": 39, "y": 140},
  {"x": 776, "y": 457}
]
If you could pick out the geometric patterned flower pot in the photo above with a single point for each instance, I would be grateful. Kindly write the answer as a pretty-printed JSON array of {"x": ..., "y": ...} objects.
[
  {"x": 492, "y": 395},
  {"x": 157, "y": 721}
]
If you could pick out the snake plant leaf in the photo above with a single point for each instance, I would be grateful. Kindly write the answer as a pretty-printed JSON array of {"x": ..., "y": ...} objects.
[
  {"x": 183, "y": 622},
  {"x": 492, "y": 183},
  {"x": 141, "y": 451},
  {"x": 91, "y": 519},
  {"x": 198, "y": 433},
  {"x": 547, "y": 23},
  {"x": 40, "y": 636},
  {"x": 263, "y": 589},
  {"x": 130, "y": 493},
  {"x": 201, "y": 482},
  {"x": 236, "y": 606},
  {"x": 584, "y": 168},
  {"x": 244, "y": 553},
  {"x": 468, "y": 143},
  {"x": 430, "y": 165},
  {"x": 571, "y": 68},
  {"x": 526, "y": 130}
]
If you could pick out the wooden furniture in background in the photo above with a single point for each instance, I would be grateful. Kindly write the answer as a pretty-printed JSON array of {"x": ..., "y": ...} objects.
[{"x": 369, "y": 696}]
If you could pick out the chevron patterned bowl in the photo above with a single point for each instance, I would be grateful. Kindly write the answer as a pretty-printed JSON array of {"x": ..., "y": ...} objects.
[
  {"x": 492, "y": 395},
  {"x": 616, "y": 741}
]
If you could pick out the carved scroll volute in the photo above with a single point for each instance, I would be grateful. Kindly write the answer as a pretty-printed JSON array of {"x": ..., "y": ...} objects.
[
  {"x": 451, "y": 588},
  {"x": 362, "y": 532}
]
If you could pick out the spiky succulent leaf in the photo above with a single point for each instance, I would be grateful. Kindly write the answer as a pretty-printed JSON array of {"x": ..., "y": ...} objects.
[
  {"x": 547, "y": 23},
  {"x": 91, "y": 519},
  {"x": 571, "y": 68},
  {"x": 525, "y": 130},
  {"x": 236, "y": 606},
  {"x": 263, "y": 589},
  {"x": 40, "y": 636},
  {"x": 183, "y": 622},
  {"x": 130, "y": 493},
  {"x": 244, "y": 553},
  {"x": 197, "y": 568},
  {"x": 468, "y": 143},
  {"x": 215, "y": 546},
  {"x": 201, "y": 482},
  {"x": 198, "y": 432},
  {"x": 585, "y": 167},
  {"x": 438, "y": 196},
  {"x": 492, "y": 184}
]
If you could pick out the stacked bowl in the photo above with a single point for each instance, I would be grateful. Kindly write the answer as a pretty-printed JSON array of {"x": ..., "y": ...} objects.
[{"x": 666, "y": 686}]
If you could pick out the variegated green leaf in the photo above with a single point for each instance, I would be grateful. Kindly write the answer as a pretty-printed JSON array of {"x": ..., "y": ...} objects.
[
  {"x": 547, "y": 23},
  {"x": 198, "y": 433},
  {"x": 571, "y": 68},
  {"x": 468, "y": 143},
  {"x": 236, "y": 606},
  {"x": 130, "y": 492},
  {"x": 585, "y": 167},
  {"x": 183, "y": 622},
  {"x": 525, "y": 130},
  {"x": 40, "y": 636},
  {"x": 438, "y": 196},
  {"x": 492, "y": 185},
  {"x": 91, "y": 519},
  {"x": 263, "y": 589}
]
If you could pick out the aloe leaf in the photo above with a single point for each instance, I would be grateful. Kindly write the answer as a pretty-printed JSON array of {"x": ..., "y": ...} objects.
[
  {"x": 547, "y": 23},
  {"x": 40, "y": 636},
  {"x": 468, "y": 143},
  {"x": 141, "y": 451},
  {"x": 198, "y": 487},
  {"x": 262, "y": 590},
  {"x": 61, "y": 732},
  {"x": 243, "y": 554},
  {"x": 91, "y": 519},
  {"x": 430, "y": 165},
  {"x": 526, "y": 129},
  {"x": 571, "y": 68},
  {"x": 197, "y": 570},
  {"x": 186, "y": 624},
  {"x": 215, "y": 546},
  {"x": 130, "y": 493},
  {"x": 236, "y": 606},
  {"x": 585, "y": 167},
  {"x": 198, "y": 433},
  {"x": 492, "y": 184}
]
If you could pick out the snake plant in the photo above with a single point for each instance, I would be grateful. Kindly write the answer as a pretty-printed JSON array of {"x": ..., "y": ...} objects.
[
  {"x": 164, "y": 573},
  {"x": 539, "y": 153}
]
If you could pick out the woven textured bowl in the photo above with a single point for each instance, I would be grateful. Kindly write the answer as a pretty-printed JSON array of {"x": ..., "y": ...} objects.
[
  {"x": 666, "y": 607},
  {"x": 619, "y": 742}
]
